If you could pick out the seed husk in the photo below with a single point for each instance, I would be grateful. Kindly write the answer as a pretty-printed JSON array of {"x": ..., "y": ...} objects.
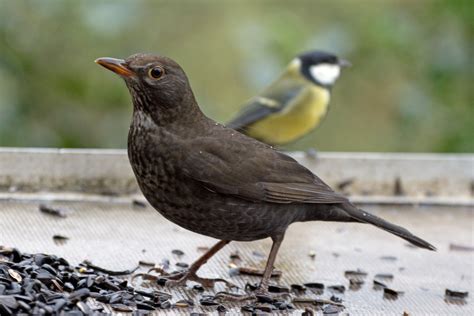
[
  {"x": 138, "y": 203},
  {"x": 351, "y": 274},
  {"x": 391, "y": 294},
  {"x": 298, "y": 287},
  {"x": 121, "y": 308},
  {"x": 53, "y": 211},
  {"x": 384, "y": 276},
  {"x": 456, "y": 294},
  {"x": 177, "y": 252},
  {"x": 337, "y": 288},
  {"x": 379, "y": 285},
  {"x": 208, "y": 301},
  {"x": 60, "y": 239},
  {"x": 278, "y": 289},
  {"x": 15, "y": 275}
]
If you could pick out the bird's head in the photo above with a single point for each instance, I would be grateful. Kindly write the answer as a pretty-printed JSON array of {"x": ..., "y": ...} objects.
[
  {"x": 156, "y": 83},
  {"x": 320, "y": 67}
]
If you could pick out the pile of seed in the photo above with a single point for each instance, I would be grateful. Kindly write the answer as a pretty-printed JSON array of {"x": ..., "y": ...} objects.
[{"x": 47, "y": 284}]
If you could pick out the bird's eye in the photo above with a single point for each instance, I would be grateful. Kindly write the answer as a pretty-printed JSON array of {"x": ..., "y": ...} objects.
[{"x": 156, "y": 72}]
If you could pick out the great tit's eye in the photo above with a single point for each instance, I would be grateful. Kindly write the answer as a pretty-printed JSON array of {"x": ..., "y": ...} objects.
[{"x": 156, "y": 72}]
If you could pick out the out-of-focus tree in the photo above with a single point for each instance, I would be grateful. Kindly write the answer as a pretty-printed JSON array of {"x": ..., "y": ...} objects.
[{"x": 409, "y": 89}]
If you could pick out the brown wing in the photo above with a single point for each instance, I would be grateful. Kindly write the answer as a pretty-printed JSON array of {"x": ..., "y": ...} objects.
[{"x": 250, "y": 170}]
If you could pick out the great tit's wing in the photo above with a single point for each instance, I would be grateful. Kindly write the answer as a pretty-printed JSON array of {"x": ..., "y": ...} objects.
[
  {"x": 248, "y": 169},
  {"x": 272, "y": 101}
]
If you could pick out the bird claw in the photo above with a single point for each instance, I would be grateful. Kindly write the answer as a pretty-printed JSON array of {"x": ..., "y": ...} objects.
[
  {"x": 181, "y": 278},
  {"x": 259, "y": 295},
  {"x": 232, "y": 297}
]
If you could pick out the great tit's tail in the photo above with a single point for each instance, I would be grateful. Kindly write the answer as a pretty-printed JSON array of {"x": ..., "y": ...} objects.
[{"x": 364, "y": 217}]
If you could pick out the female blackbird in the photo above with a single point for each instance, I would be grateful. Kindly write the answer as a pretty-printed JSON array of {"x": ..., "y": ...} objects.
[{"x": 213, "y": 180}]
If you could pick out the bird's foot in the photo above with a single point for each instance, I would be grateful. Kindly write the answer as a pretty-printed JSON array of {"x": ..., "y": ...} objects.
[
  {"x": 260, "y": 295},
  {"x": 180, "y": 278},
  {"x": 233, "y": 297}
]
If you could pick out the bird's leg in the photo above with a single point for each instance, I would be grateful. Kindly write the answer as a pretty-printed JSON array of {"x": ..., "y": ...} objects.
[
  {"x": 262, "y": 289},
  {"x": 180, "y": 278}
]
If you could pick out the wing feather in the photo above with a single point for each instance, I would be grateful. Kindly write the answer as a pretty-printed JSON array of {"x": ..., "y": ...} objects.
[
  {"x": 253, "y": 171},
  {"x": 259, "y": 107}
]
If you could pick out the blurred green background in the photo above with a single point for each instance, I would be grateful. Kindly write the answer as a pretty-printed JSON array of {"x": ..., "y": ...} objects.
[{"x": 410, "y": 89}]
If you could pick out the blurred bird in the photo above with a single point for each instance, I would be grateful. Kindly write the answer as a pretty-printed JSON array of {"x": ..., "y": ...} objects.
[
  {"x": 215, "y": 181},
  {"x": 295, "y": 103}
]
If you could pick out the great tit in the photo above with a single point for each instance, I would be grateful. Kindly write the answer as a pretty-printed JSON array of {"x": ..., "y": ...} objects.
[{"x": 295, "y": 103}]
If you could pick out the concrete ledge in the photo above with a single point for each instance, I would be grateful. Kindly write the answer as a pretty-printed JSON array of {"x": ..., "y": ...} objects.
[{"x": 404, "y": 177}]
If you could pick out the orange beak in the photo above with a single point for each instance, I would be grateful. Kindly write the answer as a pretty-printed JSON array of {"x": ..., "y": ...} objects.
[{"x": 116, "y": 65}]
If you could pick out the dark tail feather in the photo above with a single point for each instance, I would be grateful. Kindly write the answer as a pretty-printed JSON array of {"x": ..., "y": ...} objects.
[{"x": 364, "y": 217}]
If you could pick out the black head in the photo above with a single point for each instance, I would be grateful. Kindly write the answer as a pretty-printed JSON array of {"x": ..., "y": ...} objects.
[
  {"x": 156, "y": 83},
  {"x": 320, "y": 67}
]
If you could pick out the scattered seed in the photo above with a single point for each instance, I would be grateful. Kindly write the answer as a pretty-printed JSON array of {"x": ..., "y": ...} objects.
[
  {"x": 221, "y": 309},
  {"x": 266, "y": 308},
  {"x": 184, "y": 303},
  {"x": 177, "y": 252},
  {"x": 138, "y": 203},
  {"x": 313, "y": 285},
  {"x": 145, "y": 306},
  {"x": 183, "y": 265},
  {"x": 46, "y": 284},
  {"x": 208, "y": 301},
  {"x": 166, "y": 304},
  {"x": 60, "y": 240},
  {"x": 54, "y": 211},
  {"x": 331, "y": 309},
  {"x": 389, "y": 258},
  {"x": 458, "y": 247},
  {"x": 355, "y": 284},
  {"x": 384, "y": 276},
  {"x": 307, "y": 312},
  {"x": 198, "y": 288},
  {"x": 456, "y": 294},
  {"x": 251, "y": 287},
  {"x": 391, "y": 294},
  {"x": 278, "y": 289},
  {"x": 235, "y": 255},
  {"x": 15, "y": 275},
  {"x": 121, "y": 308},
  {"x": 247, "y": 308},
  {"x": 258, "y": 254},
  {"x": 298, "y": 287},
  {"x": 264, "y": 299},
  {"x": 336, "y": 299},
  {"x": 351, "y": 274},
  {"x": 379, "y": 285},
  {"x": 337, "y": 288}
]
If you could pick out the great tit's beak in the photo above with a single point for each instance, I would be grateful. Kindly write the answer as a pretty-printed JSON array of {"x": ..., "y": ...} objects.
[
  {"x": 344, "y": 63},
  {"x": 116, "y": 65}
]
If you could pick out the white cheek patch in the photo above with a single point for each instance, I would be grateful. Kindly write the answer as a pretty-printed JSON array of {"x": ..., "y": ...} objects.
[{"x": 325, "y": 73}]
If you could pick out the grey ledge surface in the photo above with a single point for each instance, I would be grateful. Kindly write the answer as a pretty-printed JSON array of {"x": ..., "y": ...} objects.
[{"x": 381, "y": 178}]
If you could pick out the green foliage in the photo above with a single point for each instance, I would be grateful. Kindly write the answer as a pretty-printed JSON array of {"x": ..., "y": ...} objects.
[{"x": 409, "y": 89}]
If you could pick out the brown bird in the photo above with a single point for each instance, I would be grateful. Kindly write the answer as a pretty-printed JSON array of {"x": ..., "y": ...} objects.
[{"x": 213, "y": 180}]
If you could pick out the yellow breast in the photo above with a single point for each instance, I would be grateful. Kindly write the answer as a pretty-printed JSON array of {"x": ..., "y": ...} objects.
[{"x": 295, "y": 120}]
